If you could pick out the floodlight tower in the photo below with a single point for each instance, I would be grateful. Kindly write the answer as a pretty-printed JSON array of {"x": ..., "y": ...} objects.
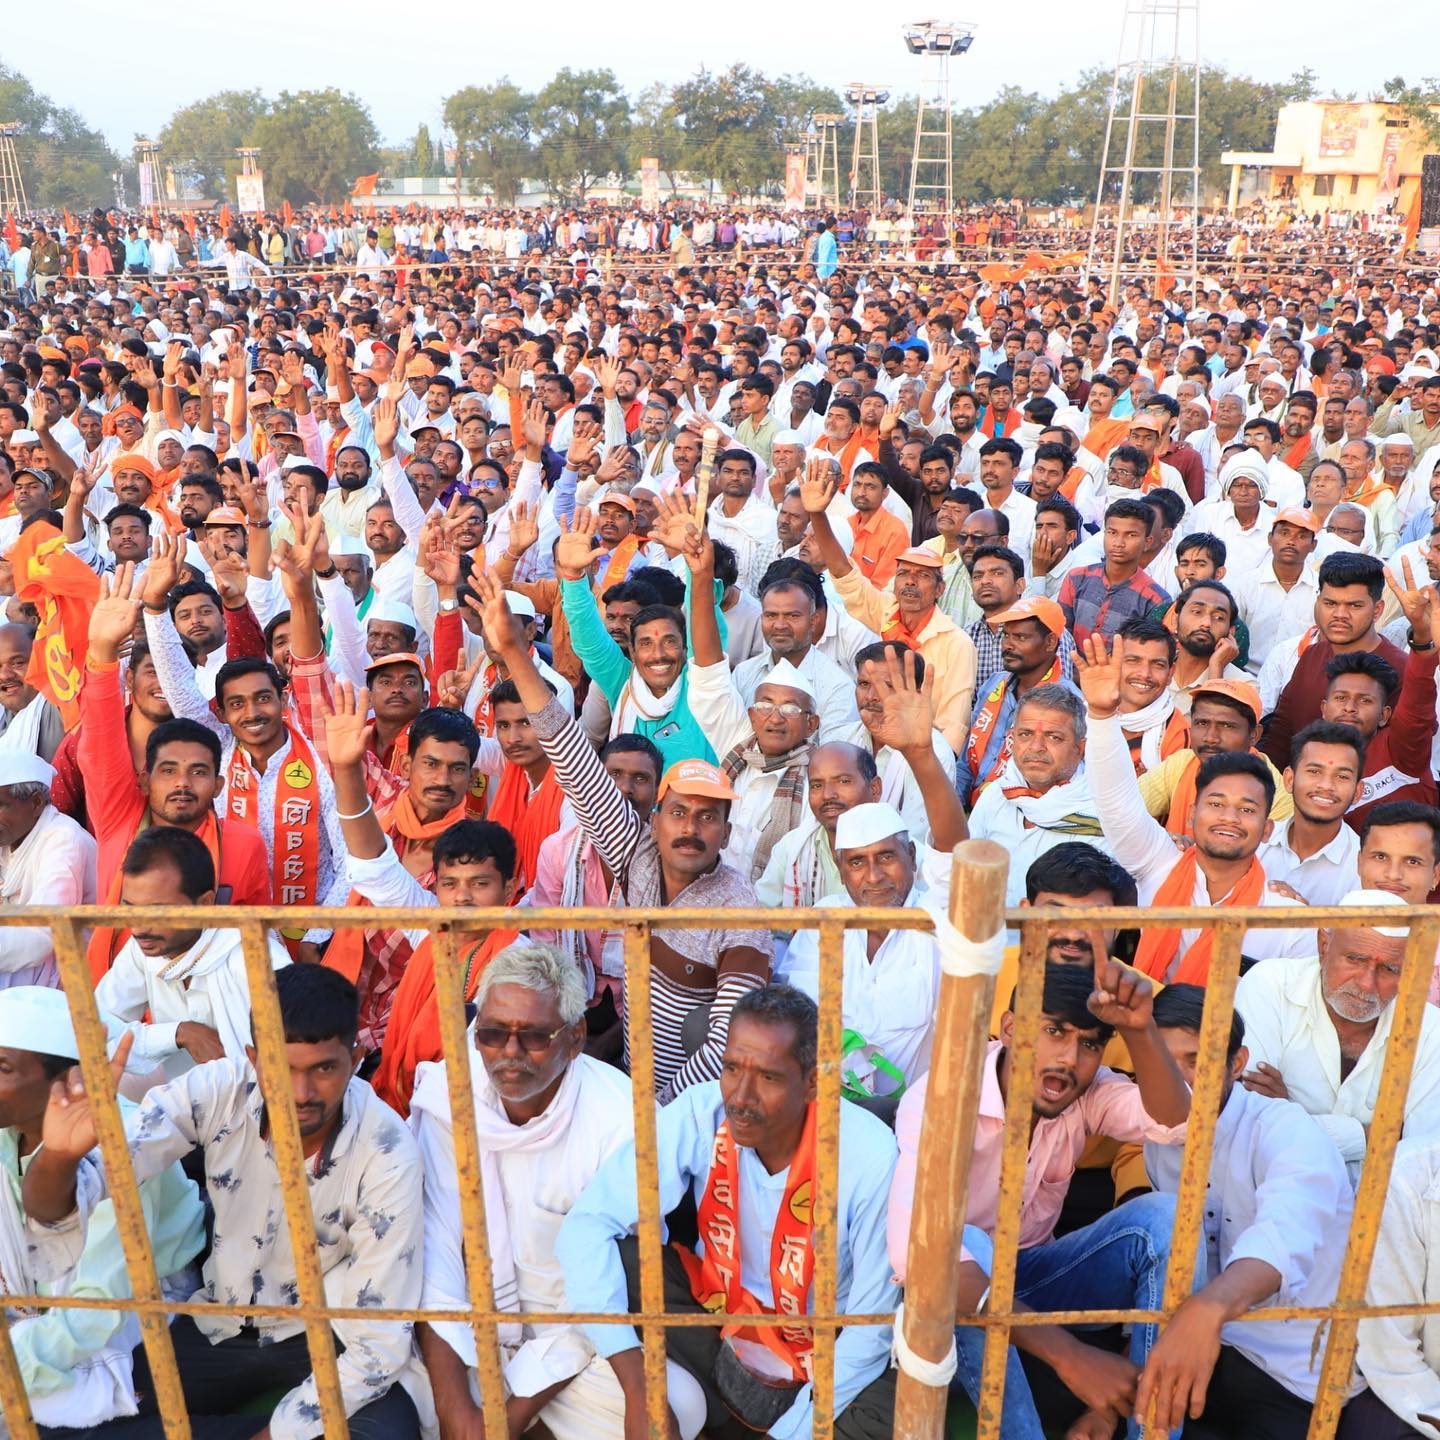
[
  {"x": 813, "y": 184},
  {"x": 1153, "y": 130},
  {"x": 932, "y": 162},
  {"x": 151, "y": 182},
  {"x": 828, "y": 181},
  {"x": 12, "y": 184},
  {"x": 866, "y": 191}
]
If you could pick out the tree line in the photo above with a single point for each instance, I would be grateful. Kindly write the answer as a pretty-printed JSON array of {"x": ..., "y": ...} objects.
[{"x": 727, "y": 130}]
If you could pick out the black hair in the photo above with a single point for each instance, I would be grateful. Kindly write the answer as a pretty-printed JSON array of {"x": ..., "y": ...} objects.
[
  {"x": 1218, "y": 586},
  {"x": 668, "y": 587},
  {"x": 1182, "y": 1007},
  {"x": 1131, "y": 510},
  {"x": 1075, "y": 868},
  {"x": 186, "y": 854},
  {"x": 1212, "y": 545},
  {"x": 1063, "y": 508},
  {"x": 877, "y": 651},
  {"x": 1328, "y": 732},
  {"x": 1051, "y": 450},
  {"x": 508, "y": 693},
  {"x": 1004, "y": 445},
  {"x": 317, "y": 1004},
  {"x": 788, "y": 570},
  {"x": 636, "y": 591},
  {"x": 628, "y": 743},
  {"x": 1364, "y": 662},
  {"x": 1344, "y": 568},
  {"x": 194, "y": 587},
  {"x": 450, "y": 727},
  {"x": 669, "y": 613},
  {"x": 779, "y": 1004},
  {"x": 1067, "y": 997},
  {"x": 182, "y": 731},
  {"x": 1149, "y": 631},
  {"x": 1216, "y": 767},
  {"x": 727, "y": 563},
  {"x": 1002, "y": 552},
  {"x": 281, "y": 617},
  {"x": 1403, "y": 812},
  {"x": 1168, "y": 503},
  {"x": 473, "y": 841},
  {"x": 125, "y": 511},
  {"x": 246, "y": 665}
]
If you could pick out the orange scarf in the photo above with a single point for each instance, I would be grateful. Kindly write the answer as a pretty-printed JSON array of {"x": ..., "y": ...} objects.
[
  {"x": 907, "y": 635},
  {"x": 295, "y": 857},
  {"x": 985, "y": 721},
  {"x": 106, "y": 943},
  {"x": 617, "y": 565},
  {"x": 1158, "y": 947},
  {"x": 1369, "y": 492},
  {"x": 1176, "y": 737},
  {"x": 845, "y": 454},
  {"x": 413, "y": 1034},
  {"x": 401, "y": 823},
  {"x": 336, "y": 445},
  {"x": 715, "y": 1277},
  {"x": 1181, "y": 819},
  {"x": 1298, "y": 451},
  {"x": 1104, "y": 435},
  {"x": 529, "y": 818}
]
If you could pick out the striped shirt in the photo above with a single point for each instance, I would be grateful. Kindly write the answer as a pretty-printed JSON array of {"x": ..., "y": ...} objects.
[
  {"x": 628, "y": 848},
  {"x": 1091, "y": 603}
]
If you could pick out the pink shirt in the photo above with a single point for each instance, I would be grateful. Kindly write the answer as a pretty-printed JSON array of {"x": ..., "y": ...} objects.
[
  {"x": 557, "y": 854},
  {"x": 1111, "y": 1106}
]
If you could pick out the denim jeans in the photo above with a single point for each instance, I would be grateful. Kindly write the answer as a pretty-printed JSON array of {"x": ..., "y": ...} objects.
[{"x": 1117, "y": 1263}]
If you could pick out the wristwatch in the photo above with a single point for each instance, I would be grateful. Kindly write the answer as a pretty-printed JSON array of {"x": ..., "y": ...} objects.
[
  {"x": 446, "y": 606},
  {"x": 326, "y": 574}
]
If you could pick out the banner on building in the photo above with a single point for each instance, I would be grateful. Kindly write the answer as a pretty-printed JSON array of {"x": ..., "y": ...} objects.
[
  {"x": 1339, "y": 131},
  {"x": 1387, "y": 190},
  {"x": 795, "y": 180},
  {"x": 649, "y": 183},
  {"x": 250, "y": 193},
  {"x": 147, "y": 187}
]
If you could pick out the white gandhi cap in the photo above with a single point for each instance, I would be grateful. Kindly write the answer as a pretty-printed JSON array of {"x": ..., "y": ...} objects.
[
  {"x": 1373, "y": 898},
  {"x": 37, "y": 1018},
  {"x": 787, "y": 675},
  {"x": 20, "y": 767},
  {"x": 868, "y": 825}
]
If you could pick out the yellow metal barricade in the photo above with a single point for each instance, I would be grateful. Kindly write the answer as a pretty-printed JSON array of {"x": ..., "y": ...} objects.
[{"x": 962, "y": 1032}]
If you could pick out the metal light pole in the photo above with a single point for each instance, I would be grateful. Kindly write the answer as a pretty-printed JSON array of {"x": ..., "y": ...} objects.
[
  {"x": 932, "y": 162},
  {"x": 866, "y": 191}
]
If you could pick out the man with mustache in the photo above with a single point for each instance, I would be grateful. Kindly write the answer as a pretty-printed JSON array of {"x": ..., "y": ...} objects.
[
  {"x": 1319, "y": 1032},
  {"x": 1205, "y": 615},
  {"x": 744, "y": 1147},
  {"x": 1117, "y": 1260}
]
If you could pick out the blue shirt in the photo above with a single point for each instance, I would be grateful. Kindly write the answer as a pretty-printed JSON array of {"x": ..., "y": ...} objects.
[
  {"x": 685, "y": 1137},
  {"x": 827, "y": 255}
]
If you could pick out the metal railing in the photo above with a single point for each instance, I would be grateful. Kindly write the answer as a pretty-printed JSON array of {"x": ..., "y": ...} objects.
[{"x": 947, "y": 1137}]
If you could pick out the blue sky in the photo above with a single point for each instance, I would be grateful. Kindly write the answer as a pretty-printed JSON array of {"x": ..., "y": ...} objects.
[{"x": 404, "y": 65}]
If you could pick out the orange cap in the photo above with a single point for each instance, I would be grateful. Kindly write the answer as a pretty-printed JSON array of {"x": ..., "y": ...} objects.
[
  {"x": 1298, "y": 515},
  {"x": 1239, "y": 690},
  {"x": 918, "y": 555},
  {"x": 400, "y": 657},
  {"x": 617, "y": 497},
  {"x": 225, "y": 515},
  {"x": 1035, "y": 607},
  {"x": 697, "y": 777}
]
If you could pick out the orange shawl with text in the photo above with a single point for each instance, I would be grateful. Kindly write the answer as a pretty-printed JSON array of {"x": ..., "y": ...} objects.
[{"x": 1159, "y": 946}]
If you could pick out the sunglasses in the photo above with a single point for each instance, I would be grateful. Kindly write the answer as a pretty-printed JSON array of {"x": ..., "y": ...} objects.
[{"x": 532, "y": 1042}]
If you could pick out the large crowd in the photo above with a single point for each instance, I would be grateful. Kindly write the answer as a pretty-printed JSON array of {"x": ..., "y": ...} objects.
[{"x": 360, "y": 569}]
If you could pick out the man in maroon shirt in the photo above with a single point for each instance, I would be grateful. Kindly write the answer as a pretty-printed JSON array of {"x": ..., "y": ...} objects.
[{"x": 1351, "y": 590}]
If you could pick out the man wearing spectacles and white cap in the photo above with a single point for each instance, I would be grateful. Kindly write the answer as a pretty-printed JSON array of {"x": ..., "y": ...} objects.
[
  {"x": 45, "y": 859},
  {"x": 1319, "y": 1031}
]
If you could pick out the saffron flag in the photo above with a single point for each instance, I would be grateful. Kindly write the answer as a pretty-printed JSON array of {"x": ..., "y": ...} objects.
[
  {"x": 289, "y": 215},
  {"x": 1412, "y": 224},
  {"x": 225, "y": 216},
  {"x": 365, "y": 184},
  {"x": 12, "y": 231},
  {"x": 64, "y": 590}
]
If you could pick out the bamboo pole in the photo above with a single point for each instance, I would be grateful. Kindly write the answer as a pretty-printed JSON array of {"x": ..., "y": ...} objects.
[{"x": 947, "y": 1137}]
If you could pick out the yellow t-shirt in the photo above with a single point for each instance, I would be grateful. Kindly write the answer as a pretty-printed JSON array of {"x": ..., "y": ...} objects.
[{"x": 1157, "y": 786}]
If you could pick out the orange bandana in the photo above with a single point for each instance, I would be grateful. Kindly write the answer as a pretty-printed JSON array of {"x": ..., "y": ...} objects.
[
  {"x": 1158, "y": 947},
  {"x": 715, "y": 1278},
  {"x": 295, "y": 858}
]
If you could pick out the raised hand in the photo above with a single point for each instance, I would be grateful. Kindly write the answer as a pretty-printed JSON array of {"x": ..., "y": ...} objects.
[
  {"x": 607, "y": 373},
  {"x": 292, "y": 367},
  {"x": 583, "y": 440},
  {"x": 441, "y": 560},
  {"x": 699, "y": 554},
  {"x": 890, "y": 419},
  {"x": 524, "y": 528},
  {"x": 818, "y": 487},
  {"x": 230, "y": 572},
  {"x": 512, "y": 377},
  {"x": 112, "y": 621},
  {"x": 907, "y": 710},
  {"x": 575, "y": 550},
  {"x": 163, "y": 571},
  {"x": 1122, "y": 997},
  {"x": 171, "y": 363},
  {"x": 1418, "y": 602},
  {"x": 674, "y": 520},
  {"x": 613, "y": 466},
  {"x": 68, "y": 1130},
  {"x": 498, "y": 625},
  {"x": 348, "y": 729},
  {"x": 1097, "y": 669},
  {"x": 82, "y": 482},
  {"x": 247, "y": 488},
  {"x": 536, "y": 417},
  {"x": 454, "y": 685},
  {"x": 386, "y": 422}
]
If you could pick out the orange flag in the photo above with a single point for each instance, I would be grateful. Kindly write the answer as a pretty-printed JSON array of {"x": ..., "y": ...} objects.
[
  {"x": 349, "y": 210},
  {"x": 1412, "y": 224},
  {"x": 64, "y": 590},
  {"x": 12, "y": 231},
  {"x": 69, "y": 222},
  {"x": 289, "y": 215},
  {"x": 365, "y": 184},
  {"x": 225, "y": 216}
]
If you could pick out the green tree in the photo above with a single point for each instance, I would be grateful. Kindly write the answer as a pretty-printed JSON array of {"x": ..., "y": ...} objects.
[
  {"x": 422, "y": 153},
  {"x": 1421, "y": 103},
  {"x": 656, "y": 131},
  {"x": 492, "y": 125},
  {"x": 314, "y": 143},
  {"x": 62, "y": 160},
  {"x": 582, "y": 128},
  {"x": 200, "y": 140}
]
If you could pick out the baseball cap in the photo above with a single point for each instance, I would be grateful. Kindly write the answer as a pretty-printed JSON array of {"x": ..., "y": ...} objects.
[
  {"x": 225, "y": 515},
  {"x": 400, "y": 657},
  {"x": 918, "y": 555},
  {"x": 616, "y": 497},
  {"x": 696, "y": 777},
  {"x": 1298, "y": 515},
  {"x": 1237, "y": 690},
  {"x": 1034, "y": 607}
]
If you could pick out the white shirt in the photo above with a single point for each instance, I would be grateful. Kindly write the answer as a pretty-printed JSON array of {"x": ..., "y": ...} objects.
[
  {"x": 1147, "y": 850},
  {"x": 1324, "y": 878},
  {"x": 1020, "y": 511},
  {"x": 1278, "y": 1193},
  {"x": 1271, "y": 612},
  {"x": 53, "y": 865},
  {"x": 1246, "y": 549},
  {"x": 1287, "y": 1025},
  {"x": 750, "y": 533},
  {"x": 206, "y": 985},
  {"x": 1399, "y": 1355}
]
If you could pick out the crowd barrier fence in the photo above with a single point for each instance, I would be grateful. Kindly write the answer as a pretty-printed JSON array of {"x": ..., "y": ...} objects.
[{"x": 962, "y": 1030}]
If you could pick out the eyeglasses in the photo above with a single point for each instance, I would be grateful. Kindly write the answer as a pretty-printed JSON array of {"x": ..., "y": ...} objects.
[
  {"x": 789, "y": 709},
  {"x": 532, "y": 1042}
]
